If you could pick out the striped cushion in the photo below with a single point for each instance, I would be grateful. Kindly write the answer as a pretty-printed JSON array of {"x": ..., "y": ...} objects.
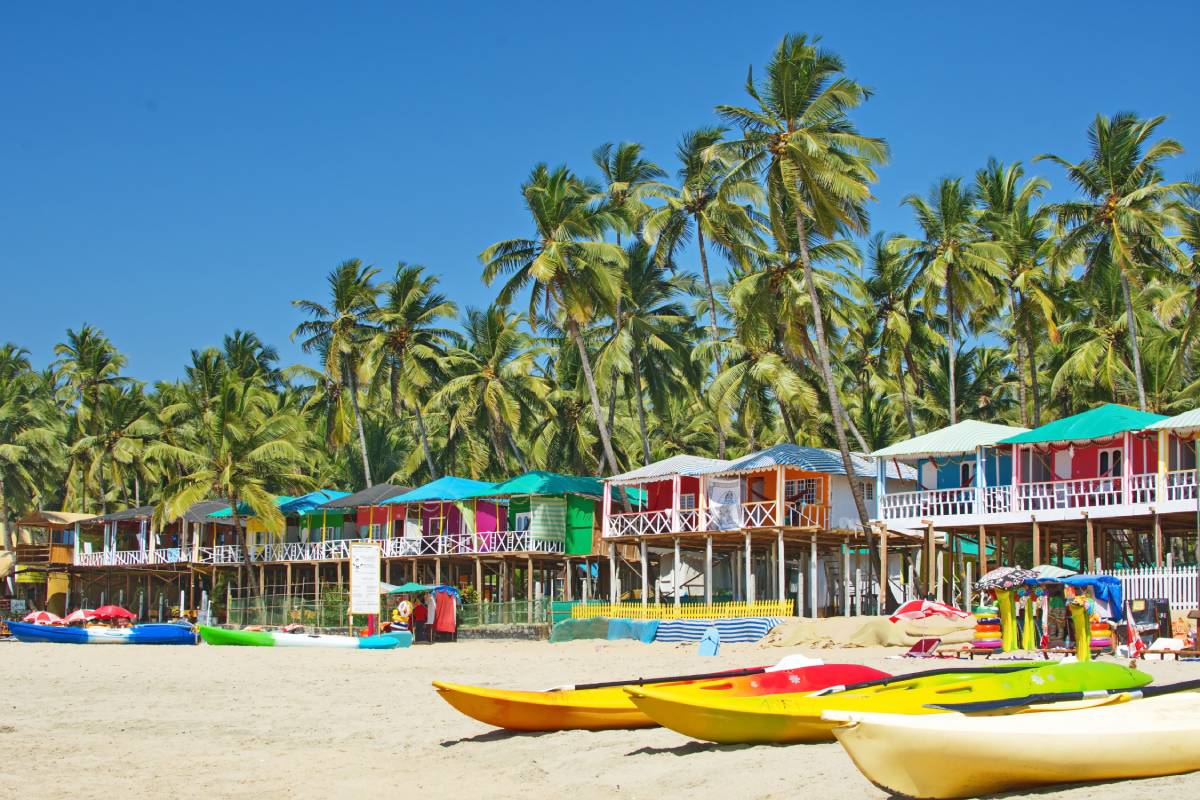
[{"x": 741, "y": 629}]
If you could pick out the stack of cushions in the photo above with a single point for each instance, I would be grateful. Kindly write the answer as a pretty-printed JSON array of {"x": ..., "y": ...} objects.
[{"x": 987, "y": 627}]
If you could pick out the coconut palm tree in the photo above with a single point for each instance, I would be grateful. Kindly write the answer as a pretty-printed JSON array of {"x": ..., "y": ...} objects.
[
  {"x": 410, "y": 341},
  {"x": 1121, "y": 223},
  {"x": 114, "y": 452},
  {"x": 491, "y": 383},
  {"x": 29, "y": 437},
  {"x": 340, "y": 331},
  {"x": 242, "y": 447},
  {"x": 892, "y": 311},
  {"x": 569, "y": 269},
  {"x": 817, "y": 167},
  {"x": 953, "y": 261}
]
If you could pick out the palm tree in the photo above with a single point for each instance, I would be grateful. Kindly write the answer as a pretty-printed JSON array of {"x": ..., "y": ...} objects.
[
  {"x": 1022, "y": 232},
  {"x": 491, "y": 382},
  {"x": 1121, "y": 222},
  {"x": 242, "y": 445},
  {"x": 123, "y": 426},
  {"x": 569, "y": 268},
  {"x": 709, "y": 203},
  {"x": 410, "y": 342},
  {"x": 29, "y": 438},
  {"x": 952, "y": 260},
  {"x": 890, "y": 304},
  {"x": 250, "y": 357},
  {"x": 340, "y": 331},
  {"x": 817, "y": 167}
]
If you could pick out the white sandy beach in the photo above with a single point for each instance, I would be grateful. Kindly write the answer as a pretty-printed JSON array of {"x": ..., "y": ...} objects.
[{"x": 208, "y": 722}]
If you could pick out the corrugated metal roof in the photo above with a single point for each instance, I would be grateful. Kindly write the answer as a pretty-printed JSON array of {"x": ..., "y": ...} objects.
[
  {"x": 198, "y": 512},
  {"x": 813, "y": 459},
  {"x": 675, "y": 465},
  {"x": 1185, "y": 423},
  {"x": 963, "y": 437},
  {"x": 368, "y": 497},
  {"x": 1103, "y": 422}
]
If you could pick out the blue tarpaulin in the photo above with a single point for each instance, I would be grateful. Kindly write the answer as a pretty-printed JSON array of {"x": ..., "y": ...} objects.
[
  {"x": 1104, "y": 587},
  {"x": 641, "y": 630}
]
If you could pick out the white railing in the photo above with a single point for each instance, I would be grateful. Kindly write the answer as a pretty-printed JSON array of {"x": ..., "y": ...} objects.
[
  {"x": 221, "y": 554},
  {"x": 797, "y": 514},
  {"x": 760, "y": 514},
  {"x": 169, "y": 555},
  {"x": 997, "y": 499},
  {"x": 89, "y": 559},
  {"x": 1177, "y": 584},
  {"x": 1143, "y": 488},
  {"x": 1181, "y": 484},
  {"x": 639, "y": 523},
  {"x": 930, "y": 503},
  {"x": 1078, "y": 493}
]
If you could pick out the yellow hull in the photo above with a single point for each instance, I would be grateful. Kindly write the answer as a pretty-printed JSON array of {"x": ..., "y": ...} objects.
[
  {"x": 951, "y": 755},
  {"x": 797, "y": 718},
  {"x": 571, "y": 709}
]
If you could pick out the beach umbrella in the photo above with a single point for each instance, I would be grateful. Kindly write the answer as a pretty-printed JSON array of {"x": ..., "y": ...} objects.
[
  {"x": 1004, "y": 578},
  {"x": 114, "y": 612},
  {"x": 80, "y": 615},
  {"x": 920, "y": 609},
  {"x": 42, "y": 618}
]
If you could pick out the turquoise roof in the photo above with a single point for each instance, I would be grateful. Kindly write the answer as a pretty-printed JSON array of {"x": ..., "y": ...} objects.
[
  {"x": 1103, "y": 422},
  {"x": 445, "y": 489}
]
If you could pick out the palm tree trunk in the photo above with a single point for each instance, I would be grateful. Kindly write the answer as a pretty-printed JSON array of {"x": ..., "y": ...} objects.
[
  {"x": 950, "y": 348},
  {"x": 835, "y": 403},
  {"x": 788, "y": 427},
  {"x": 352, "y": 380},
  {"x": 516, "y": 451},
  {"x": 636, "y": 364},
  {"x": 5, "y": 541},
  {"x": 906, "y": 401},
  {"x": 1031, "y": 348},
  {"x": 1014, "y": 300},
  {"x": 590, "y": 379},
  {"x": 708, "y": 287},
  {"x": 424, "y": 436},
  {"x": 1134, "y": 347}
]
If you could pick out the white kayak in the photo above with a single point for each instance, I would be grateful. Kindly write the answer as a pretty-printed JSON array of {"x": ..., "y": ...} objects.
[{"x": 954, "y": 755}]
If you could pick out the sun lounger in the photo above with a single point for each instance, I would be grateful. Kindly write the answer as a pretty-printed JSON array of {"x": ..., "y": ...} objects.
[{"x": 924, "y": 648}]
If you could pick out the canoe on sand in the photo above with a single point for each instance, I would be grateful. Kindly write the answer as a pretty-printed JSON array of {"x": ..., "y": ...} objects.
[
  {"x": 790, "y": 718},
  {"x": 221, "y": 636},
  {"x": 155, "y": 633},
  {"x": 952, "y": 755},
  {"x": 608, "y": 706}
]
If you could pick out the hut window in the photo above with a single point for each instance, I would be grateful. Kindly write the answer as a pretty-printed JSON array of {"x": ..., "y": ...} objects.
[
  {"x": 801, "y": 490},
  {"x": 687, "y": 502},
  {"x": 1110, "y": 462},
  {"x": 966, "y": 474},
  {"x": 521, "y": 520}
]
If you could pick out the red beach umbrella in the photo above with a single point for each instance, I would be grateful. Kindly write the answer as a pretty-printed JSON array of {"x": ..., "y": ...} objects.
[
  {"x": 114, "y": 612},
  {"x": 42, "y": 618},
  {"x": 80, "y": 615},
  {"x": 920, "y": 609}
]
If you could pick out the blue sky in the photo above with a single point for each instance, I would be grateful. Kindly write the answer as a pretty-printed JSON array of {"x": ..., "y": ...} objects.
[{"x": 170, "y": 172}]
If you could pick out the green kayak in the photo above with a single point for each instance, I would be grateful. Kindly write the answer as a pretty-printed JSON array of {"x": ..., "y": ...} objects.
[{"x": 222, "y": 636}]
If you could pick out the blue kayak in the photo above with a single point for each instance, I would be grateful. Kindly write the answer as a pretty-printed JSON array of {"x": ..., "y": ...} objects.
[{"x": 155, "y": 633}]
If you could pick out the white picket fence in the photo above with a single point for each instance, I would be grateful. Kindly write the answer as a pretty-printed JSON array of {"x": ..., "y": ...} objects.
[{"x": 1178, "y": 584}]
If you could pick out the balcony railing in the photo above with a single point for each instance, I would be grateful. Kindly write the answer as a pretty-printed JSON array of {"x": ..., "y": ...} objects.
[
  {"x": 221, "y": 554},
  {"x": 757, "y": 514},
  {"x": 1078, "y": 493}
]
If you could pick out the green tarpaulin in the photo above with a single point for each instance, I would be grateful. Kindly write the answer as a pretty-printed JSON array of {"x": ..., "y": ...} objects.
[
  {"x": 1104, "y": 422},
  {"x": 548, "y": 519},
  {"x": 581, "y": 515}
]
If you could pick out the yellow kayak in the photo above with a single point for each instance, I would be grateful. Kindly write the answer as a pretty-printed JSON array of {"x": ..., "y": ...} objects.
[
  {"x": 952, "y": 755},
  {"x": 608, "y": 706},
  {"x": 791, "y": 718}
]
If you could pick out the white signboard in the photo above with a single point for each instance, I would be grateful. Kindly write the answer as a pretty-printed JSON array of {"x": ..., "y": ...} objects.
[{"x": 364, "y": 578}]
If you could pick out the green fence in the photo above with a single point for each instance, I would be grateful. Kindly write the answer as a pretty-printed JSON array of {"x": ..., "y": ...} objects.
[
  {"x": 278, "y": 610},
  {"x": 516, "y": 612}
]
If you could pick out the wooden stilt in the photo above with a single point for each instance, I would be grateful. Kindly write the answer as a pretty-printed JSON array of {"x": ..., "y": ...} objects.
[
  {"x": 1037, "y": 545},
  {"x": 930, "y": 559},
  {"x": 1090, "y": 535},
  {"x": 1158, "y": 542},
  {"x": 749, "y": 571},
  {"x": 883, "y": 569},
  {"x": 812, "y": 577},
  {"x": 780, "y": 566},
  {"x": 675, "y": 575},
  {"x": 983, "y": 545},
  {"x": 614, "y": 580},
  {"x": 479, "y": 578},
  {"x": 708, "y": 570},
  {"x": 644, "y": 558},
  {"x": 529, "y": 598}
]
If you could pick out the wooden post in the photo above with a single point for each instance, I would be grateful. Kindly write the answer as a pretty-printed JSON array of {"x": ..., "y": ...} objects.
[
  {"x": 646, "y": 572},
  {"x": 287, "y": 593},
  {"x": 479, "y": 580},
  {"x": 614, "y": 585},
  {"x": 983, "y": 559},
  {"x": 1158, "y": 542},
  {"x": 812, "y": 576},
  {"x": 930, "y": 559},
  {"x": 708, "y": 570},
  {"x": 1037, "y": 544},
  {"x": 529, "y": 598},
  {"x": 675, "y": 575},
  {"x": 387, "y": 570},
  {"x": 780, "y": 565},
  {"x": 317, "y": 589},
  {"x": 883, "y": 568},
  {"x": 749, "y": 566},
  {"x": 437, "y": 570},
  {"x": 845, "y": 579}
]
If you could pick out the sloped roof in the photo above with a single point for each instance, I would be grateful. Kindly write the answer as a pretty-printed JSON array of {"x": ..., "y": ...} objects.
[
  {"x": 539, "y": 482},
  {"x": 1103, "y": 422},
  {"x": 371, "y": 496},
  {"x": 675, "y": 465},
  {"x": 244, "y": 510},
  {"x": 963, "y": 437},
  {"x": 813, "y": 459},
  {"x": 129, "y": 513},
  {"x": 199, "y": 512},
  {"x": 1186, "y": 423},
  {"x": 447, "y": 488},
  {"x": 52, "y": 519},
  {"x": 307, "y": 502}
]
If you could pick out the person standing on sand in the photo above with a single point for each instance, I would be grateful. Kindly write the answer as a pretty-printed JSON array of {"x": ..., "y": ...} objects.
[{"x": 420, "y": 616}]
